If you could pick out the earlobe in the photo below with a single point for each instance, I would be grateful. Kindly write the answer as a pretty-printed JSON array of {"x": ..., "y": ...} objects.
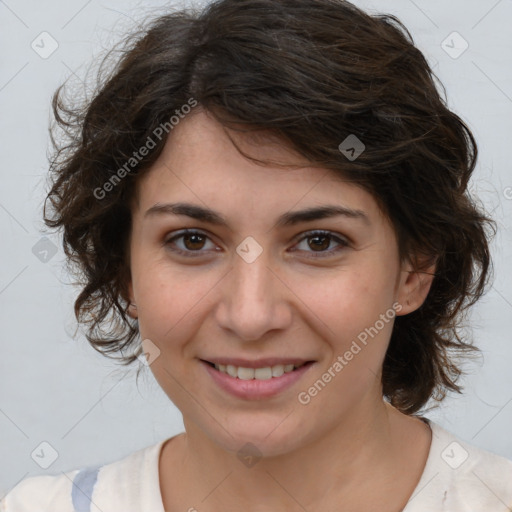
[
  {"x": 132, "y": 311},
  {"x": 414, "y": 288},
  {"x": 132, "y": 307}
]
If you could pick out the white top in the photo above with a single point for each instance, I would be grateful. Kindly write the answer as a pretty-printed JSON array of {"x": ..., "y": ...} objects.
[{"x": 458, "y": 477}]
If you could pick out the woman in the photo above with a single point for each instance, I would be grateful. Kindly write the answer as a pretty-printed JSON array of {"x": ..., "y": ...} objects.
[{"x": 270, "y": 198}]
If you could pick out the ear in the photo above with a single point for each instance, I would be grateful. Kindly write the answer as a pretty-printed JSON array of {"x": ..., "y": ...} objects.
[
  {"x": 414, "y": 284},
  {"x": 127, "y": 292},
  {"x": 132, "y": 308}
]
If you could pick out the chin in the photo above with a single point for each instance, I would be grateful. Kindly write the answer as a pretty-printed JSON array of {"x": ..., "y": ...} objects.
[{"x": 267, "y": 437}]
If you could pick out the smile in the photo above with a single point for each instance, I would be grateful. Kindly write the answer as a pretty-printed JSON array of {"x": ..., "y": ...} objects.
[
  {"x": 263, "y": 373},
  {"x": 255, "y": 383}
]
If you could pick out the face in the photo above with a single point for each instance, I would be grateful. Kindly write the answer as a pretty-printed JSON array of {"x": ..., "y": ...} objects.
[{"x": 259, "y": 289}]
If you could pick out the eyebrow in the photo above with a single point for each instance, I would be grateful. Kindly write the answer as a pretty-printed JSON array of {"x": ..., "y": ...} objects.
[{"x": 287, "y": 219}]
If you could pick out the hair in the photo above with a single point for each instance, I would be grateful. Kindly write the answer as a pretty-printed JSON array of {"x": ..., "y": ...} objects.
[{"x": 311, "y": 73}]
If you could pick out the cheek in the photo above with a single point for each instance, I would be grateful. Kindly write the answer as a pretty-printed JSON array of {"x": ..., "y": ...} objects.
[
  {"x": 357, "y": 309},
  {"x": 352, "y": 301},
  {"x": 170, "y": 301}
]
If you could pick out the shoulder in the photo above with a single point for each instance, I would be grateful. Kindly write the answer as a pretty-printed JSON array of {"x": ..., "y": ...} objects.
[
  {"x": 89, "y": 489},
  {"x": 461, "y": 477},
  {"x": 39, "y": 493}
]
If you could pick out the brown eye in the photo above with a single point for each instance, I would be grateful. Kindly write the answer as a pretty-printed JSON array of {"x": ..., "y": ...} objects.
[
  {"x": 319, "y": 241},
  {"x": 191, "y": 243}
]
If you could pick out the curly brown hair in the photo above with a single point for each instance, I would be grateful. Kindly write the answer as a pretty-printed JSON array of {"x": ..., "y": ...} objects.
[{"x": 310, "y": 73}]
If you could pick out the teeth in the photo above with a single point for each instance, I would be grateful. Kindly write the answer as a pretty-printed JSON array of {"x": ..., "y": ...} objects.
[
  {"x": 245, "y": 373},
  {"x": 255, "y": 373},
  {"x": 278, "y": 370},
  {"x": 263, "y": 373}
]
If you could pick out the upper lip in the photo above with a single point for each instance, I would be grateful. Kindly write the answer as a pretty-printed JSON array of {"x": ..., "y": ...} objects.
[{"x": 257, "y": 363}]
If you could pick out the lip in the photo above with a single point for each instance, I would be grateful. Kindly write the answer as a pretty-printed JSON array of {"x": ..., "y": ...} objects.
[
  {"x": 257, "y": 363},
  {"x": 256, "y": 389}
]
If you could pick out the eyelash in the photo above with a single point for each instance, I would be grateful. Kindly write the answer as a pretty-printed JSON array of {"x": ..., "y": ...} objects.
[{"x": 309, "y": 234}]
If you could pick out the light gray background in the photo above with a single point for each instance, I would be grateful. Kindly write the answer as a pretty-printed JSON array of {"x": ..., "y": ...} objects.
[{"x": 57, "y": 389}]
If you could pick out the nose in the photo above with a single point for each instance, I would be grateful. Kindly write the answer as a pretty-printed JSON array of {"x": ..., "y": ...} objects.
[{"x": 255, "y": 300}]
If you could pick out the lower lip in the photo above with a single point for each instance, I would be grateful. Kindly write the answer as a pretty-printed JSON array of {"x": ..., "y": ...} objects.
[{"x": 255, "y": 389}]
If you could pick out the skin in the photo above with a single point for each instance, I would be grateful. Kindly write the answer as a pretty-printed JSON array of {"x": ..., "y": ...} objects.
[{"x": 346, "y": 445}]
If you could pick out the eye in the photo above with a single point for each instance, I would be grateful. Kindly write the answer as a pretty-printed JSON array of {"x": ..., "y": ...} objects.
[
  {"x": 321, "y": 240},
  {"x": 192, "y": 242}
]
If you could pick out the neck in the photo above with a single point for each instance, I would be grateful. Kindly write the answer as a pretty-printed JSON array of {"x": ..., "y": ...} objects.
[{"x": 361, "y": 454}]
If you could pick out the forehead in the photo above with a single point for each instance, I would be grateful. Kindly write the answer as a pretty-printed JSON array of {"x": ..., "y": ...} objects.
[{"x": 200, "y": 164}]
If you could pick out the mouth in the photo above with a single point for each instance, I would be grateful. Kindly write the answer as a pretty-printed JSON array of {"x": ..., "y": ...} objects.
[
  {"x": 256, "y": 373},
  {"x": 256, "y": 380}
]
